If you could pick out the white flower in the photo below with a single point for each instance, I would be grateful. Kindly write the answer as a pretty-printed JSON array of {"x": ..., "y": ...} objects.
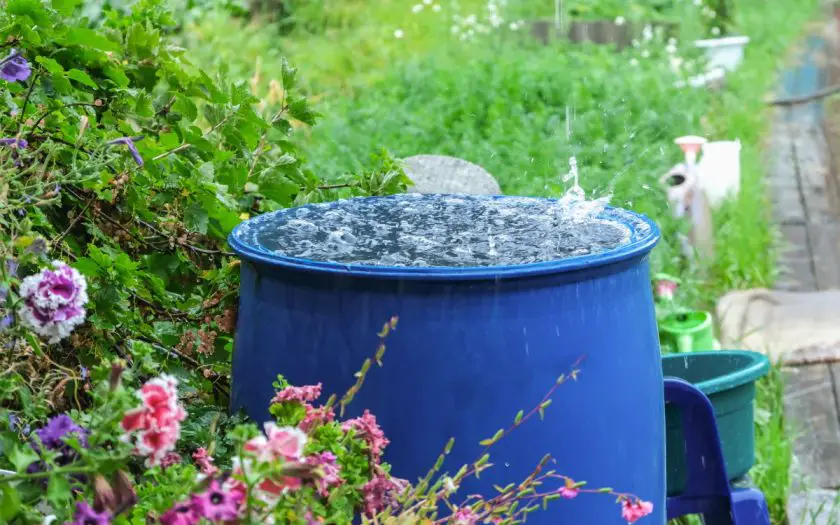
[
  {"x": 417, "y": 8},
  {"x": 645, "y": 53},
  {"x": 647, "y": 33},
  {"x": 470, "y": 20},
  {"x": 398, "y": 33},
  {"x": 676, "y": 63},
  {"x": 513, "y": 26},
  {"x": 427, "y": 2},
  {"x": 698, "y": 2},
  {"x": 716, "y": 31},
  {"x": 635, "y": 43},
  {"x": 619, "y": 20},
  {"x": 436, "y": 8},
  {"x": 672, "y": 41},
  {"x": 456, "y": 30},
  {"x": 634, "y": 62},
  {"x": 671, "y": 49}
]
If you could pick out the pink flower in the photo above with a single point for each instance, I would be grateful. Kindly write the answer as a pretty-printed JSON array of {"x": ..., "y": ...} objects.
[
  {"x": 172, "y": 458},
  {"x": 316, "y": 417},
  {"x": 635, "y": 510},
  {"x": 464, "y": 516},
  {"x": 204, "y": 462},
  {"x": 53, "y": 301},
  {"x": 367, "y": 428},
  {"x": 156, "y": 423},
  {"x": 328, "y": 469},
  {"x": 278, "y": 443},
  {"x": 281, "y": 444},
  {"x": 568, "y": 492},
  {"x": 381, "y": 492},
  {"x": 301, "y": 394},
  {"x": 216, "y": 504},
  {"x": 181, "y": 514},
  {"x": 665, "y": 289}
]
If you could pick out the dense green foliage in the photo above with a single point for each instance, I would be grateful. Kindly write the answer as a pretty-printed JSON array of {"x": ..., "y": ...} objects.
[{"x": 150, "y": 238}]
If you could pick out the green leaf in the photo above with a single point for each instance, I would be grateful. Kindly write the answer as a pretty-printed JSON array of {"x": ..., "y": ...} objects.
[
  {"x": 288, "y": 75},
  {"x": 30, "y": 8},
  {"x": 50, "y": 65},
  {"x": 61, "y": 84},
  {"x": 185, "y": 107},
  {"x": 276, "y": 187},
  {"x": 82, "y": 36},
  {"x": 81, "y": 77},
  {"x": 22, "y": 456},
  {"x": 117, "y": 76},
  {"x": 196, "y": 218},
  {"x": 65, "y": 7},
  {"x": 9, "y": 503},
  {"x": 58, "y": 490}
]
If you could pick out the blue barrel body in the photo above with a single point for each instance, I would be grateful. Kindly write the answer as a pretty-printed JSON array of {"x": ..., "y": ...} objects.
[{"x": 473, "y": 347}]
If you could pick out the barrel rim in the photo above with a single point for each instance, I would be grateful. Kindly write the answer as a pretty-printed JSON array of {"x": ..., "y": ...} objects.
[{"x": 641, "y": 243}]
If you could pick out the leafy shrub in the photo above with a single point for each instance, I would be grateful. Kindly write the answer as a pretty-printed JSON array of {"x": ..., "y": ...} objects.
[{"x": 121, "y": 157}]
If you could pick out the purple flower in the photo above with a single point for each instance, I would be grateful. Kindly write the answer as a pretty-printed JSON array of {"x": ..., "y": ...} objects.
[
  {"x": 53, "y": 301},
  {"x": 14, "y": 67},
  {"x": 85, "y": 515},
  {"x": 14, "y": 421},
  {"x": 59, "y": 428},
  {"x": 129, "y": 141},
  {"x": 14, "y": 143},
  {"x": 6, "y": 322},
  {"x": 53, "y": 437},
  {"x": 216, "y": 504},
  {"x": 180, "y": 514}
]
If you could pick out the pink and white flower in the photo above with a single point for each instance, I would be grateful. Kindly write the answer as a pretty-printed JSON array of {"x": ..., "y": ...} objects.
[
  {"x": 279, "y": 444},
  {"x": 53, "y": 301},
  {"x": 156, "y": 424}
]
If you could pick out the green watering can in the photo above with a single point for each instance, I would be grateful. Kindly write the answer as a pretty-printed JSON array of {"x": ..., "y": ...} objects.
[{"x": 687, "y": 331}]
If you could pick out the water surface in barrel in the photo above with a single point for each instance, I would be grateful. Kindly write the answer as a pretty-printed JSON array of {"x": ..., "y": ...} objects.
[{"x": 435, "y": 230}]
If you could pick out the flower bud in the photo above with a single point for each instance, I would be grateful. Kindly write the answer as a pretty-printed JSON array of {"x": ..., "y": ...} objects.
[
  {"x": 103, "y": 495},
  {"x": 117, "y": 369}
]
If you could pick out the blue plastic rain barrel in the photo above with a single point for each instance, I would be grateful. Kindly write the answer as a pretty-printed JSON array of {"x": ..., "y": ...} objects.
[{"x": 474, "y": 345}]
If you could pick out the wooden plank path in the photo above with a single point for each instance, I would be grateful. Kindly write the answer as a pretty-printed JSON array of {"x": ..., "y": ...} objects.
[{"x": 804, "y": 191}]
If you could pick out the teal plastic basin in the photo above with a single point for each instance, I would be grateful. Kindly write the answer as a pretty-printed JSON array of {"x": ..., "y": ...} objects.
[{"x": 728, "y": 378}]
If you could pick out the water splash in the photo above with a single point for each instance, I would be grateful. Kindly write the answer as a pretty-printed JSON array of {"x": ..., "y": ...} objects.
[
  {"x": 573, "y": 204},
  {"x": 437, "y": 230}
]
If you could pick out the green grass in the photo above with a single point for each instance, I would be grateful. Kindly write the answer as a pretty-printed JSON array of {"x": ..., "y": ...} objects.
[
  {"x": 773, "y": 447},
  {"x": 502, "y": 102}
]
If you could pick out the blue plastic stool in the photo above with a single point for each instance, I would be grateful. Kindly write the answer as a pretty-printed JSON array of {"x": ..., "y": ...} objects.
[{"x": 707, "y": 490}]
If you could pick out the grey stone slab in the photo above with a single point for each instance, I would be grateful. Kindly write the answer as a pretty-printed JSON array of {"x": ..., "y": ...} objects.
[
  {"x": 813, "y": 507},
  {"x": 811, "y": 410},
  {"x": 441, "y": 174}
]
